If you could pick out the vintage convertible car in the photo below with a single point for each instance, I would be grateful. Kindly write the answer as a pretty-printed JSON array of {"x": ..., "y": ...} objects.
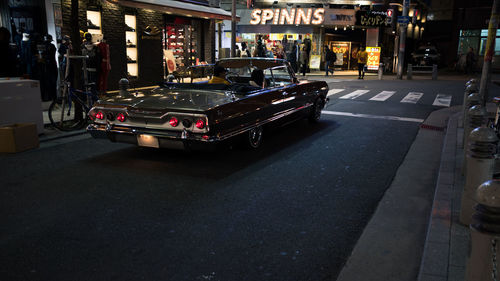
[{"x": 186, "y": 115}]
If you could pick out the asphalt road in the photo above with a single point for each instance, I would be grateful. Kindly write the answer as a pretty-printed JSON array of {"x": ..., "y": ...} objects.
[{"x": 293, "y": 210}]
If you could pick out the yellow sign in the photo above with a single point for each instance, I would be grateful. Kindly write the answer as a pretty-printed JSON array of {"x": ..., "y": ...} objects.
[{"x": 373, "y": 58}]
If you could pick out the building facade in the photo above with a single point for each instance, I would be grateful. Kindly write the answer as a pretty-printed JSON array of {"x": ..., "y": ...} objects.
[{"x": 343, "y": 26}]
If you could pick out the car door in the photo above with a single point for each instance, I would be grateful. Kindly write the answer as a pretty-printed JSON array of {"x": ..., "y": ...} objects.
[{"x": 288, "y": 88}]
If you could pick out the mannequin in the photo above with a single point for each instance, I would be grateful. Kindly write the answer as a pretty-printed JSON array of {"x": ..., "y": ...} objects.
[
  {"x": 49, "y": 78},
  {"x": 91, "y": 50},
  {"x": 105, "y": 66}
]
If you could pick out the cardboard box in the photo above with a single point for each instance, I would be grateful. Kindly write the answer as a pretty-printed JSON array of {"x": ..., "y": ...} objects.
[{"x": 18, "y": 137}]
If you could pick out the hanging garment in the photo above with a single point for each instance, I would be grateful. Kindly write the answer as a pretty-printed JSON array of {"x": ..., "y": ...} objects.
[{"x": 105, "y": 66}]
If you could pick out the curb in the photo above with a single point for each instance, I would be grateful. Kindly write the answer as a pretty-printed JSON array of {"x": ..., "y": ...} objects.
[{"x": 436, "y": 256}]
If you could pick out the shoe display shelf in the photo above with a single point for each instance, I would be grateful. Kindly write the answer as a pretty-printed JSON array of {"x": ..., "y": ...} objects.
[
  {"x": 94, "y": 22},
  {"x": 131, "y": 44}
]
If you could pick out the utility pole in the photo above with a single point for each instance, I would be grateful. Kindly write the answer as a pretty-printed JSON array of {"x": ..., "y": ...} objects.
[
  {"x": 490, "y": 49},
  {"x": 233, "y": 29},
  {"x": 402, "y": 40}
]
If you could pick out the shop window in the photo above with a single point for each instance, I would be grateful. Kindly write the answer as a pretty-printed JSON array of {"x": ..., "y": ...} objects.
[
  {"x": 180, "y": 41},
  {"x": 131, "y": 45},
  {"x": 484, "y": 32},
  {"x": 94, "y": 22},
  {"x": 482, "y": 48},
  {"x": 466, "y": 42},
  {"x": 470, "y": 32}
]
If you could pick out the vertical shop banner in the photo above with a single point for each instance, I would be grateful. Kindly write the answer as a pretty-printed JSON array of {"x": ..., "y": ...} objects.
[
  {"x": 373, "y": 58},
  {"x": 315, "y": 62},
  {"x": 169, "y": 58}
]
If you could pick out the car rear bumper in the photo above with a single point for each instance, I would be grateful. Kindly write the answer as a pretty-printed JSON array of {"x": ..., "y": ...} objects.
[{"x": 166, "y": 139}]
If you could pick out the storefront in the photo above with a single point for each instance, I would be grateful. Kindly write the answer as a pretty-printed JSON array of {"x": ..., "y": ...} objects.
[
  {"x": 144, "y": 35},
  {"x": 341, "y": 30}
]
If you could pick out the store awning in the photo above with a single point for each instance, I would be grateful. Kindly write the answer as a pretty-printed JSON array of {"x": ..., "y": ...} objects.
[{"x": 178, "y": 8}]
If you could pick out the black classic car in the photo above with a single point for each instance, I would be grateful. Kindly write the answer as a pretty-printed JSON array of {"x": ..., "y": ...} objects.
[{"x": 186, "y": 115}]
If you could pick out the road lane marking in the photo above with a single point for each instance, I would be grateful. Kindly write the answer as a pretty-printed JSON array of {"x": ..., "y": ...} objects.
[
  {"x": 395, "y": 118},
  {"x": 332, "y": 92},
  {"x": 354, "y": 94},
  {"x": 382, "y": 96},
  {"x": 442, "y": 100},
  {"x": 412, "y": 97}
]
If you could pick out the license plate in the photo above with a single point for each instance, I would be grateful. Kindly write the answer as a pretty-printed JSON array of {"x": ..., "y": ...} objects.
[{"x": 148, "y": 141}]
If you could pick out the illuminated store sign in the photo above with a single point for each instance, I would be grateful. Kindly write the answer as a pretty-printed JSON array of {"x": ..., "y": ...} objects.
[
  {"x": 371, "y": 18},
  {"x": 285, "y": 16}
]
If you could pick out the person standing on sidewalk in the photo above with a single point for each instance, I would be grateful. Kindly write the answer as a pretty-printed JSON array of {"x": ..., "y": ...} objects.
[
  {"x": 330, "y": 58},
  {"x": 362, "y": 59},
  {"x": 303, "y": 60},
  {"x": 470, "y": 61},
  {"x": 292, "y": 58}
]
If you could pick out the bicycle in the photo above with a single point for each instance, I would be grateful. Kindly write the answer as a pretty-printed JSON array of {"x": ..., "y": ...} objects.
[{"x": 64, "y": 112}]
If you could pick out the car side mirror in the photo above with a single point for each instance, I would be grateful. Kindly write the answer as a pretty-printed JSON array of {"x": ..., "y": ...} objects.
[{"x": 296, "y": 80}]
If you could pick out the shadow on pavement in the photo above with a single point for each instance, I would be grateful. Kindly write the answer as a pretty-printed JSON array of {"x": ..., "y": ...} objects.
[{"x": 227, "y": 159}]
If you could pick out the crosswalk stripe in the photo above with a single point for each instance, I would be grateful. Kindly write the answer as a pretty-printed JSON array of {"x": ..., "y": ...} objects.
[
  {"x": 412, "y": 97},
  {"x": 359, "y": 115},
  {"x": 334, "y": 91},
  {"x": 442, "y": 100},
  {"x": 354, "y": 94},
  {"x": 382, "y": 96}
]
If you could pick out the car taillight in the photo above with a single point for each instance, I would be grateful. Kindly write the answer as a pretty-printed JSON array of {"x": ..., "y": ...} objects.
[
  {"x": 99, "y": 115},
  {"x": 120, "y": 117},
  {"x": 174, "y": 122},
  {"x": 200, "y": 124}
]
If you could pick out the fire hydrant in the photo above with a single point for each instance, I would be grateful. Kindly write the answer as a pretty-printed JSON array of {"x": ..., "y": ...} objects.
[
  {"x": 480, "y": 159},
  {"x": 482, "y": 263}
]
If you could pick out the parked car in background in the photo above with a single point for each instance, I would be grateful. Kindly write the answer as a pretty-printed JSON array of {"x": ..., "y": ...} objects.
[
  {"x": 192, "y": 115},
  {"x": 425, "y": 56}
]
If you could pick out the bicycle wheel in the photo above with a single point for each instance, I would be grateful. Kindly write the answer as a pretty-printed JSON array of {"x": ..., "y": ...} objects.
[{"x": 64, "y": 116}]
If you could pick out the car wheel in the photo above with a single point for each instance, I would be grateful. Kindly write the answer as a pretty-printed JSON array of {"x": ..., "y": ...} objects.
[
  {"x": 315, "y": 114},
  {"x": 254, "y": 137}
]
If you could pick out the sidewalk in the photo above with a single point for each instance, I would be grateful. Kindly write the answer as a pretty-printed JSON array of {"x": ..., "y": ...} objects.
[{"x": 390, "y": 247}]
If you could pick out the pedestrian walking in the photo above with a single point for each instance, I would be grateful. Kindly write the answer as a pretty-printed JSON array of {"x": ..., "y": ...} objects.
[
  {"x": 237, "y": 51},
  {"x": 362, "y": 56},
  {"x": 304, "y": 60},
  {"x": 244, "y": 50},
  {"x": 330, "y": 58},
  {"x": 470, "y": 61}
]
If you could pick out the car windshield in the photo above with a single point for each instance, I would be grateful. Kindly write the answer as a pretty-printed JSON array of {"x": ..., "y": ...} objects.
[
  {"x": 426, "y": 51},
  {"x": 276, "y": 72}
]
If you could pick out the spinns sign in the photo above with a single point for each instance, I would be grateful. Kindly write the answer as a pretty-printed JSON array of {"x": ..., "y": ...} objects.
[{"x": 285, "y": 16}]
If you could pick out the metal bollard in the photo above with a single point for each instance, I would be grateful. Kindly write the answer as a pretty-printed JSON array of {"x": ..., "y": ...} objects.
[
  {"x": 480, "y": 161},
  {"x": 380, "y": 71},
  {"x": 482, "y": 262},
  {"x": 472, "y": 100},
  {"x": 434, "y": 72},
  {"x": 123, "y": 86},
  {"x": 409, "y": 72},
  {"x": 470, "y": 82},
  {"x": 470, "y": 87}
]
